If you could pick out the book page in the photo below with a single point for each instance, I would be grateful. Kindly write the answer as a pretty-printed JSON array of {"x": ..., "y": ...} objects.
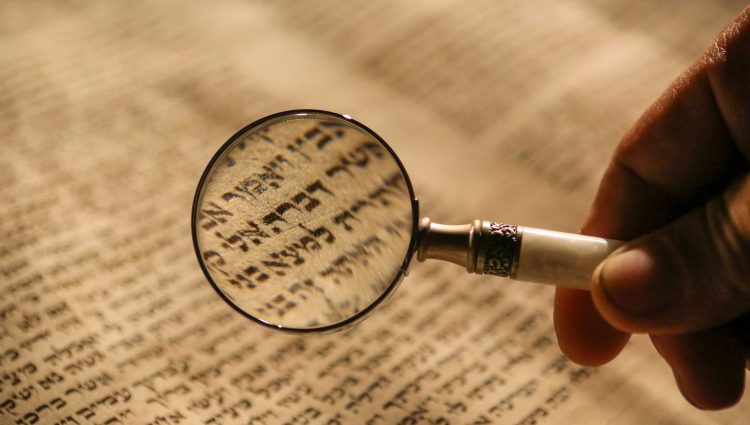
[{"x": 498, "y": 110}]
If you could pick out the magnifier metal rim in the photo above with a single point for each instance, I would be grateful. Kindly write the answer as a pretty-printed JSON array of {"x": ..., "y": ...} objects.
[{"x": 350, "y": 321}]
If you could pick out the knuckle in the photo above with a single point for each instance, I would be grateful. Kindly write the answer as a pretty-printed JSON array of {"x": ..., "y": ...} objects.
[
  {"x": 731, "y": 44},
  {"x": 727, "y": 219}
]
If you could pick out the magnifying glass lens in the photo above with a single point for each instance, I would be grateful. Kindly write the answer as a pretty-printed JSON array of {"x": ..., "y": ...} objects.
[{"x": 304, "y": 221}]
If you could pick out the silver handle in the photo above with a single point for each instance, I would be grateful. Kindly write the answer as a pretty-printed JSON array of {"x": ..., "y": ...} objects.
[{"x": 520, "y": 253}]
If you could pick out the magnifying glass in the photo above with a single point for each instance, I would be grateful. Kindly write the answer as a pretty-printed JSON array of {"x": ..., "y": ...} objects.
[{"x": 306, "y": 220}]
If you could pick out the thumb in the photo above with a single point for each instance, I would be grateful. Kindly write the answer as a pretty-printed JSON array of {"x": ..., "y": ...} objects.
[{"x": 690, "y": 275}]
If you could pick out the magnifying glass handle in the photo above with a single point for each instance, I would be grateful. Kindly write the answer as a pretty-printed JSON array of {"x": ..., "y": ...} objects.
[{"x": 516, "y": 252}]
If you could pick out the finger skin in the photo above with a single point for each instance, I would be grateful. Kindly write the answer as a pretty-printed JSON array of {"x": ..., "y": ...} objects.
[
  {"x": 728, "y": 66},
  {"x": 690, "y": 275},
  {"x": 705, "y": 382},
  {"x": 687, "y": 147},
  {"x": 634, "y": 198},
  {"x": 741, "y": 328},
  {"x": 584, "y": 336}
]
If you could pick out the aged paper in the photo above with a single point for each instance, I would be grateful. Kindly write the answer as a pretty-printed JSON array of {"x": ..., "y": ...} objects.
[{"x": 499, "y": 110}]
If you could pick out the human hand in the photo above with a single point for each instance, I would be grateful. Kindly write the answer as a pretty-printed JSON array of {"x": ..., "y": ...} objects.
[{"x": 679, "y": 188}]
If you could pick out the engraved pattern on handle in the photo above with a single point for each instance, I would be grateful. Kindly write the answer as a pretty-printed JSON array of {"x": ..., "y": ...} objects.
[{"x": 503, "y": 243}]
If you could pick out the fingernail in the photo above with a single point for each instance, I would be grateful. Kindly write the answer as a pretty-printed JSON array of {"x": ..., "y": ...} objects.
[{"x": 631, "y": 281}]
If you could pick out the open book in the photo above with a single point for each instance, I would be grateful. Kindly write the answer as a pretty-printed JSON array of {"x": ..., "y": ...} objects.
[{"x": 499, "y": 110}]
